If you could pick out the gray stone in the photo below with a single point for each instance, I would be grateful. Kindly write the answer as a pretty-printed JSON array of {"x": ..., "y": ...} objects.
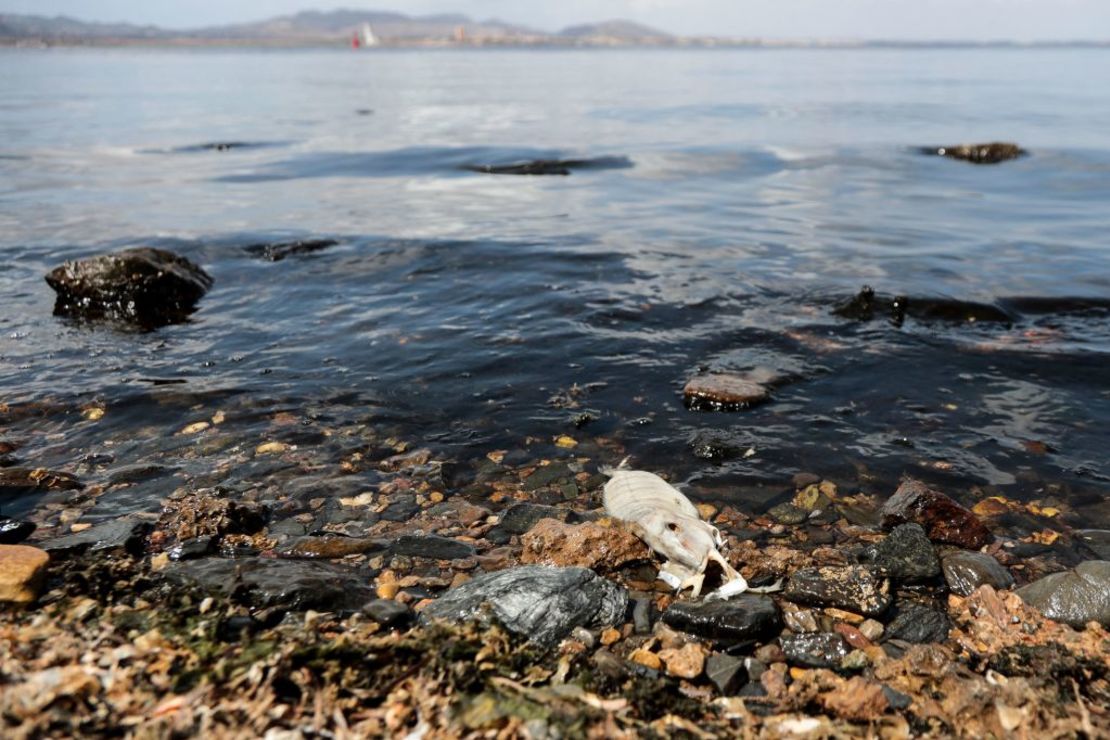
[
  {"x": 137, "y": 473},
  {"x": 401, "y": 509},
  {"x": 292, "y": 585},
  {"x": 547, "y": 475},
  {"x": 966, "y": 571},
  {"x": 642, "y": 613},
  {"x": 387, "y": 613},
  {"x": 539, "y": 602},
  {"x": 1096, "y": 539},
  {"x": 727, "y": 672},
  {"x": 126, "y": 533},
  {"x": 905, "y": 555},
  {"x": 519, "y": 518},
  {"x": 745, "y": 617},
  {"x": 854, "y": 588},
  {"x": 918, "y": 623},
  {"x": 1074, "y": 597},
  {"x": 432, "y": 546},
  {"x": 821, "y": 650},
  {"x": 788, "y": 513}
]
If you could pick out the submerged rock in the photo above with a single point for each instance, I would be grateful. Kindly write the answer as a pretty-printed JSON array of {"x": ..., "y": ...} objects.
[
  {"x": 966, "y": 571},
  {"x": 905, "y": 555},
  {"x": 944, "y": 520},
  {"x": 854, "y": 588},
  {"x": 742, "y": 618},
  {"x": 519, "y": 518},
  {"x": 14, "y": 531},
  {"x": 22, "y": 481},
  {"x": 538, "y": 602},
  {"x": 144, "y": 286},
  {"x": 126, "y": 533},
  {"x": 991, "y": 153},
  {"x": 867, "y": 305},
  {"x": 329, "y": 547},
  {"x": 551, "y": 166},
  {"x": 821, "y": 650},
  {"x": 1098, "y": 540},
  {"x": 291, "y": 585},
  {"x": 432, "y": 546},
  {"x": 277, "y": 251},
  {"x": 724, "y": 392},
  {"x": 22, "y": 570},
  {"x": 1074, "y": 597}
]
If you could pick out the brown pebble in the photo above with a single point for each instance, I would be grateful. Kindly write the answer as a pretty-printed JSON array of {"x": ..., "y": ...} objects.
[
  {"x": 609, "y": 636},
  {"x": 646, "y": 658},
  {"x": 852, "y": 636}
]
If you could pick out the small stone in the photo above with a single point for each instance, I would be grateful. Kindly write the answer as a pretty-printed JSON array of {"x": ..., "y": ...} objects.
[
  {"x": 646, "y": 658},
  {"x": 271, "y": 448},
  {"x": 966, "y": 571},
  {"x": 854, "y": 588},
  {"x": 724, "y": 392},
  {"x": 567, "y": 443},
  {"x": 812, "y": 498},
  {"x": 852, "y": 636},
  {"x": 520, "y": 518},
  {"x": 802, "y": 480},
  {"x": 387, "y": 590},
  {"x": 726, "y": 672},
  {"x": 800, "y": 620},
  {"x": 14, "y": 531},
  {"x": 642, "y": 612},
  {"x": 943, "y": 519},
  {"x": 745, "y": 617},
  {"x": 546, "y": 475},
  {"x": 919, "y": 624},
  {"x": 871, "y": 629},
  {"x": 685, "y": 662},
  {"x": 788, "y": 513},
  {"x": 609, "y": 636},
  {"x": 22, "y": 571},
  {"x": 387, "y": 613},
  {"x": 23, "y": 481},
  {"x": 433, "y": 547},
  {"x": 905, "y": 555},
  {"x": 856, "y": 660},
  {"x": 195, "y": 427},
  {"x": 822, "y": 650}
]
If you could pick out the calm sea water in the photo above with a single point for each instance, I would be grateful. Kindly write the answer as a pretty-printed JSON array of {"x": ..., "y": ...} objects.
[{"x": 473, "y": 312}]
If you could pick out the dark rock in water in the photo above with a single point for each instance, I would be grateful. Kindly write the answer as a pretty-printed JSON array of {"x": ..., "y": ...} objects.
[
  {"x": 966, "y": 571},
  {"x": 7, "y": 460},
  {"x": 22, "y": 481},
  {"x": 145, "y": 287},
  {"x": 868, "y": 305},
  {"x": 401, "y": 509},
  {"x": 1074, "y": 597},
  {"x": 191, "y": 549},
  {"x": 854, "y": 588},
  {"x": 519, "y": 518},
  {"x": 126, "y": 533},
  {"x": 918, "y": 623},
  {"x": 330, "y": 547},
  {"x": 552, "y": 166},
  {"x": 290, "y": 585},
  {"x": 14, "y": 531},
  {"x": 717, "y": 446},
  {"x": 745, "y": 617},
  {"x": 788, "y": 513},
  {"x": 138, "y": 473},
  {"x": 432, "y": 546},
  {"x": 546, "y": 475},
  {"x": 819, "y": 650},
  {"x": 388, "y": 613},
  {"x": 860, "y": 307},
  {"x": 724, "y": 392},
  {"x": 727, "y": 673},
  {"x": 539, "y": 602},
  {"x": 905, "y": 555},
  {"x": 992, "y": 153},
  {"x": 278, "y": 251},
  {"x": 1098, "y": 540},
  {"x": 944, "y": 520}
]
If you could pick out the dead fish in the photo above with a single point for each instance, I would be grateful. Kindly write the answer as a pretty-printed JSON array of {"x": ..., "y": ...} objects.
[{"x": 669, "y": 523}]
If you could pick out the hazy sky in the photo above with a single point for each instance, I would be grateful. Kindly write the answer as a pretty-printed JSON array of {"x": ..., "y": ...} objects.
[{"x": 903, "y": 19}]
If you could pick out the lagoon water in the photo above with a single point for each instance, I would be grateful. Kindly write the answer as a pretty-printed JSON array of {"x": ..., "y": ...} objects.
[{"x": 470, "y": 312}]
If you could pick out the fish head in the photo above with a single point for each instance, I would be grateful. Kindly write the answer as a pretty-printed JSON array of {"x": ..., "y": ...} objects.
[{"x": 683, "y": 539}]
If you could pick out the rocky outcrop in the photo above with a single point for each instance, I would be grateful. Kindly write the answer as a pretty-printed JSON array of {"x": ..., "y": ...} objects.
[{"x": 144, "y": 287}]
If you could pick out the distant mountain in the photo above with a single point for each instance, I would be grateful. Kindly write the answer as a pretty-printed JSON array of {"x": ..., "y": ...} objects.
[
  {"x": 61, "y": 27},
  {"x": 313, "y": 24},
  {"x": 615, "y": 29}
]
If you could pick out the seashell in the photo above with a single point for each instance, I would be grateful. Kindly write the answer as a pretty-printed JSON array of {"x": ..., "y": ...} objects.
[{"x": 669, "y": 523}]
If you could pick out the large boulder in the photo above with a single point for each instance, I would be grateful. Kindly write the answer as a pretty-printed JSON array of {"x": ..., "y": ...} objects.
[
  {"x": 145, "y": 287},
  {"x": 1074, "y": 597},
  {"x": 539, "y": 602}
]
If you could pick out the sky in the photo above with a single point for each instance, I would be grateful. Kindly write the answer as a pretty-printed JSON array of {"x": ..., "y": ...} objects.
[{"x": 1023, "y": 20}]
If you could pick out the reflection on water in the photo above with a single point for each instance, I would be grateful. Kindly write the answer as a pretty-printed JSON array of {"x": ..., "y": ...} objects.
[{"x": 473, "y": 312}]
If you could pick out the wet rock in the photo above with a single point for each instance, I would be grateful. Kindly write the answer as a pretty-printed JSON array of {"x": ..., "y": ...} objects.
[
  {"x": 966, "y": 571},
  {"x": 519, "y": 518},
  {"x": 542, "y": 603},
  {"x": 14, "y": 531},
  {"x": 919, "y": 624},
  {"x": 144, "y": 286},
  {"x": 745, "y": 617},
  {"x": 22, "y": 571},
  {"x": 867, "y": 305},
  {"x": 1074, "y": 597},
  {"x": 191, "y": 549},
  {"x": 137, "y": 473},
  {"x": 643, "y": 616},
  {"x": 587, "y": 545},
  {"x": 991, "y": 153},
  {"x": 277, "y": 251},
  {"x": 904, "y": 555},
  {"x": 401, "y": 509},
  {"x": 854, "y": 588},
  {"x": 547, "y": 475},
  {"x": 126, "y": 533},
  {"x": 1098, "y": 540},
  {"x": 23, "y": 481},
  {"x": 716, "y": 446},
  {"x": 329, "y": 547},
  {"x": 787, "y": 513},
  {"x": 943, "y": 519},
  {"x": 724, "y": 392},
  {"x": 821, "y": 650},
  {"x": 432, "y": 546},
  {"x": 551, "y": 166},
  {"x": 727, "y": 673},
  {"x": 289, "y": 585},
  {"x": 388, "y": 613}
]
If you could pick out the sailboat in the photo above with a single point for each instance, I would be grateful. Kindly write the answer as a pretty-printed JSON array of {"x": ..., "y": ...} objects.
[{"x": 367, "y": 37}]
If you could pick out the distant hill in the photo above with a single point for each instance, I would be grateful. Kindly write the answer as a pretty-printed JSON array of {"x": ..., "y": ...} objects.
[
  {"x": 615, "y": 29},
  {"x": 387, "y": 25},
  {"x": 14, "y": 26}
]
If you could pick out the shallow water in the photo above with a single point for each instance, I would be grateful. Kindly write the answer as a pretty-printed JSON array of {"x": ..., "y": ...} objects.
[{"x": 470, "y": 312}]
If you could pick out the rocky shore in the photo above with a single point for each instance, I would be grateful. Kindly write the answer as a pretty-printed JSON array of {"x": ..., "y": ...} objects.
[{"x": 503, "y": 603}]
